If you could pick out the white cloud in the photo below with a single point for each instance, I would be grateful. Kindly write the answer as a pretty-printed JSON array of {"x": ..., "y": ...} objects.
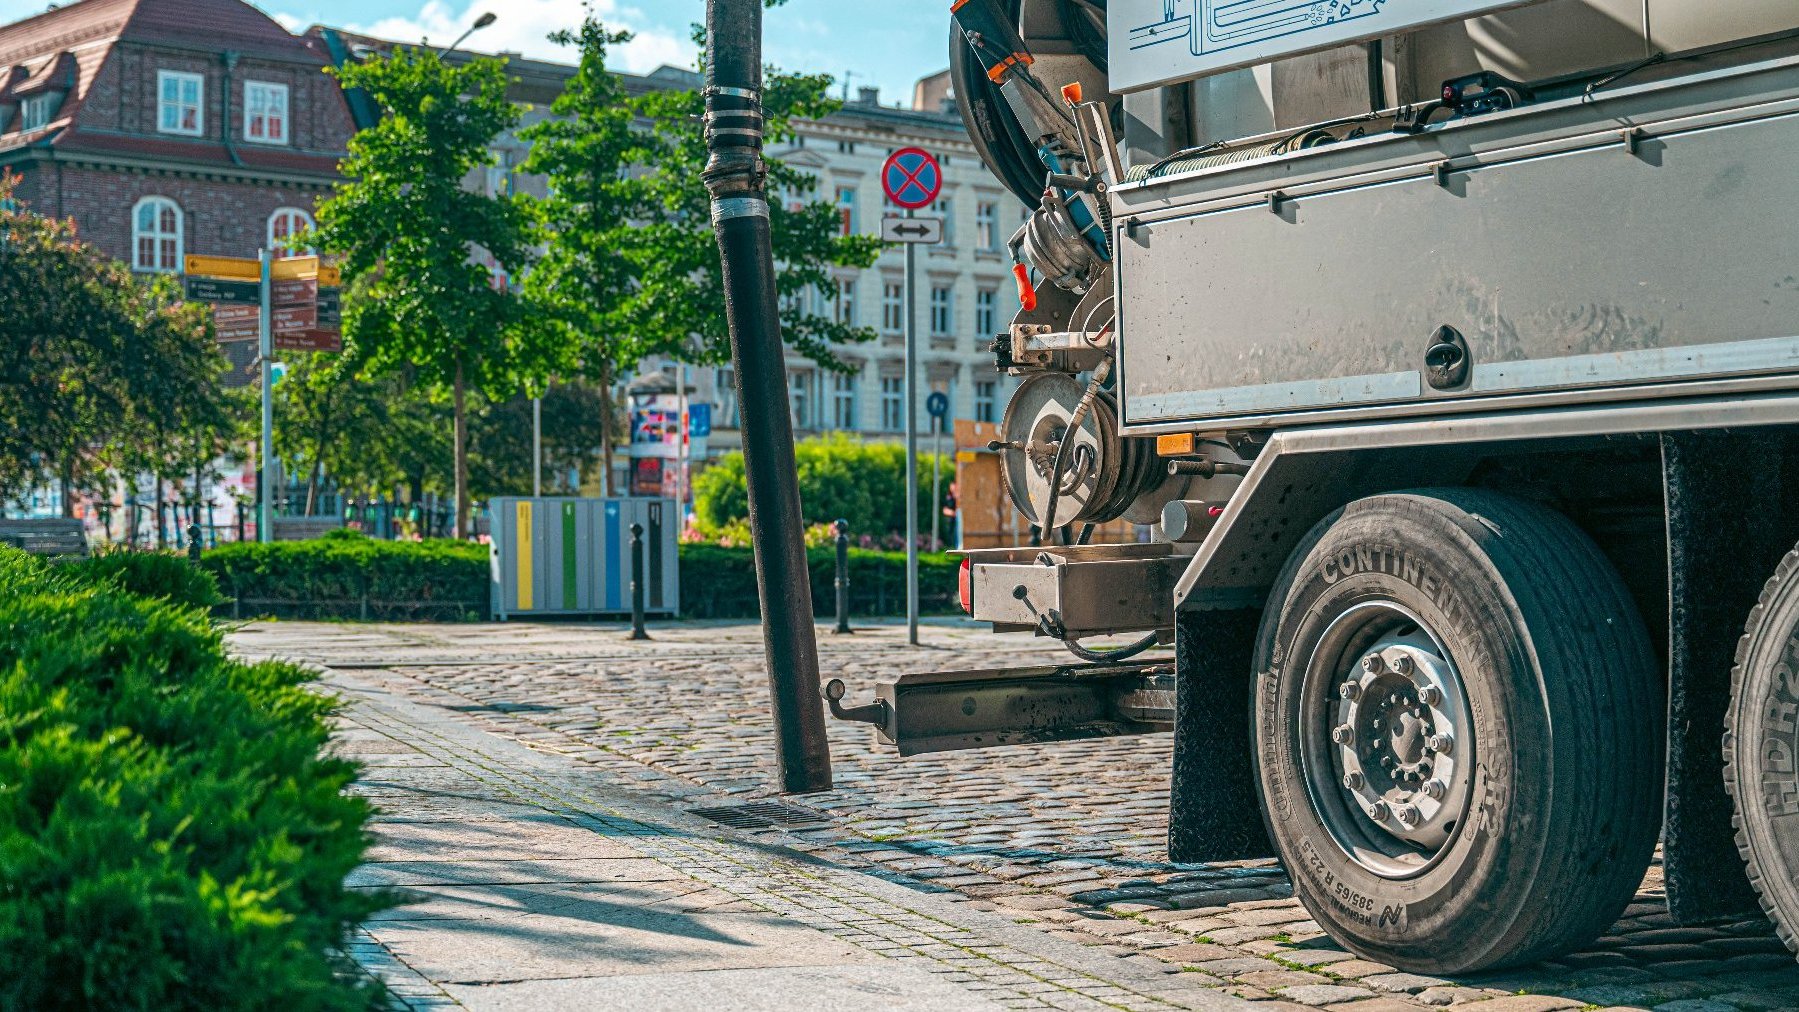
[{"x": 523, "y": 27}]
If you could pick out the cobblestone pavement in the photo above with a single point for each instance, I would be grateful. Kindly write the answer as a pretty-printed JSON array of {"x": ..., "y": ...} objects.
[{"x": 1068, "y": 837}]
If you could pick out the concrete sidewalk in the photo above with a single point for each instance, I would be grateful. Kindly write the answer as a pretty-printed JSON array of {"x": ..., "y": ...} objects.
[{"x": 541, "y": 882}]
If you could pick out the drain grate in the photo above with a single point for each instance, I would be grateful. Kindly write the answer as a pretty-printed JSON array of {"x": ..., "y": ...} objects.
[{"x": 761, "y": 815}]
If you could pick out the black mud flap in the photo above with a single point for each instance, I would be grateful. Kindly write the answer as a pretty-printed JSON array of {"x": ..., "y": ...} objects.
[
  {"x": 1728, "y": 527},
  {"x": 1215, "y": 811}
]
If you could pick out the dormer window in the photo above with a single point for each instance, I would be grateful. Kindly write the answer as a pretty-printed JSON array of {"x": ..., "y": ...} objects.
[
  {"x": 265, "y": 112},
  {"x": 178, "y": 102},
  {"x": 35, "y": 111}
]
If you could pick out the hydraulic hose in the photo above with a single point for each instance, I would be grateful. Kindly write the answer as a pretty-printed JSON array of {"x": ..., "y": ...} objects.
[{"x": 1123, "y": 653}]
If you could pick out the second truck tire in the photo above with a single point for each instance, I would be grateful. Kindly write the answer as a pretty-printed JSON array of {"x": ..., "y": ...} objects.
[
  {"x": 1761, "y": 748},
  {"x": 1457, "y": 729}
]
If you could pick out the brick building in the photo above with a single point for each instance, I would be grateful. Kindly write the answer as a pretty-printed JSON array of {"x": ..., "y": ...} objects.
[{"x": 168, "y": 127}]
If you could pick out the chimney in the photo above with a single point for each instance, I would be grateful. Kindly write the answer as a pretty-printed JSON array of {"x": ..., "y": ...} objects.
[{"x": 868, "y": 96}]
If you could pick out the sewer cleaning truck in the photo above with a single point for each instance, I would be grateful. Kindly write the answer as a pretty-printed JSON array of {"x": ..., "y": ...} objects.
[{"x": 1450, "y": 349}]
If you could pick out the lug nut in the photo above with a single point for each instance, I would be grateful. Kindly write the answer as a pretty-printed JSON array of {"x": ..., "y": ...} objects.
[
  {"x": 1373, "y": 664},
  {"x": 1435, "y": 790},
  {"x": 1378, "y": 811},
  {"x": 1408, "y": 815},
  {"x": 1342, "y": 734},
  {"x": 1350, "y": 691},
  {"x": 1430, "y": 695},
  {"x": 1402, "y": 664},
  {"x": 1352, "y": 781},
  {"x": 1440, "y": 742}
]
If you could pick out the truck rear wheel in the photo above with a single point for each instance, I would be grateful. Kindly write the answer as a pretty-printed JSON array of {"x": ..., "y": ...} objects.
[
  {"x": 1457, "y": 731},
  {"x": 1761, "y": 748}
]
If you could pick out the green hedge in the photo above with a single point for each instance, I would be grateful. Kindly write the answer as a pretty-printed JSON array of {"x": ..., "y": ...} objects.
[
  {"x": 170, "y": 836},
  {"x": 719, "y": 582},
  {"x": 351, "y": 576},
  {"x": 347, "y": 575}
]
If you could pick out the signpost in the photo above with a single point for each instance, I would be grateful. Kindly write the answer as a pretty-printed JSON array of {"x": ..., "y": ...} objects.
[
  {"x": 937, "y": 405},
  {"x": 911, "y": 178},
  {"x": 291, "y": 303}
]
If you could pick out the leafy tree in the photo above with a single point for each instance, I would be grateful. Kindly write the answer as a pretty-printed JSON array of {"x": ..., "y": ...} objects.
[
  {"x": 368, "y": 433},
  {"x": 587, "y": 150},
  {"x": 674, "y": 307},
  {"x": 97, "y": 371},
  {"x": 574, "y": 415},
  {"x": 418, "y": 245}
]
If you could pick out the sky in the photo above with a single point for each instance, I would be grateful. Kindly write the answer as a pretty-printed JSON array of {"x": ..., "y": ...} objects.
[{"x": 887, "y": 45}]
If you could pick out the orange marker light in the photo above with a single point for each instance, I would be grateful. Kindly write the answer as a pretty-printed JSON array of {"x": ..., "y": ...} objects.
[
  {"x": 1071, "y": 92},
  {"x": 1174, "y": 444},
  {"x": 1027, "y": 296}
]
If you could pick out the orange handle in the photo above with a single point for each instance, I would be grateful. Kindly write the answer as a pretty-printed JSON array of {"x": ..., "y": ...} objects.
[{"x": 1027, "y": 296}]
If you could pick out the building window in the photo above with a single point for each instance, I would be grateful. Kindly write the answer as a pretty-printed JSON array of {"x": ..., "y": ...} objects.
[
  {"x": 156, "y": 235},
  {"x": 893, "y": 307},
  {"x": 985, "y": 399},
  {"x": 942, "y": 310},
  {"x": 846, "y": 208},
  {"x": 843, "y": 400},
  {"x": 265, "y": 112},
  {"x": 893, "y": 401},
  {"x": 34, "y": 112},
  {"x": 986, "y": 226},
  {"x": 178, "y": 102},
  {"x": 799, "y": 388},
  {"x": 846, "y": 147},
  {"x": 724, "y": 391},
  {"x": 285, "y": 223},
  {"x": 985, "y": 299},
  {"x": 946, "y": 208},
  {"x": 846, "y": 301}
]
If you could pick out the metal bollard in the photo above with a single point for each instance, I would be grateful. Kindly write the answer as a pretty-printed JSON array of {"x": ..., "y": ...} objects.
[
  {"x": 843, "y": 577},
  {"x": 193, "y": 542},
  {"x": 637, "y": 581}
]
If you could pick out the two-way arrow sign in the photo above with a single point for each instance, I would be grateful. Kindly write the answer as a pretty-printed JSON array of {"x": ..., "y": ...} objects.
[{"x": 925, "y": 230}]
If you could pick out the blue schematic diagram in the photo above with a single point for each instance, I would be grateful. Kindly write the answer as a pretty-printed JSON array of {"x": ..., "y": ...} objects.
[{"x": 1213, "y": 26}]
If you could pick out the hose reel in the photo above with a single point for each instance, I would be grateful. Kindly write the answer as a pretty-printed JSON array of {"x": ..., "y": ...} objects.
[{"x": 1104, "y": 473}]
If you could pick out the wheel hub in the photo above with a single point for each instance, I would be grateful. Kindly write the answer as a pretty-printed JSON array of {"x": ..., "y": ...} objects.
[{"x": 1401, "y": 747}]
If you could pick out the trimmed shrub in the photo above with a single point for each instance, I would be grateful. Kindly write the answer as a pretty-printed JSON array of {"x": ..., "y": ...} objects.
[
  {"x": 167, "y": 576},
  {"x": 349, "y": 575},
  {"x": 840, "y": 477},
  {"x": 720, "y": 582},
  {"x": 170, "y": 834}
]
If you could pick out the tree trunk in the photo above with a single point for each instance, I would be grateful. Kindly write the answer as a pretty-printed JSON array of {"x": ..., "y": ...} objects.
[
  {"x": 461, "y": 454},
  {"x": 68, "y": 482},
  {"x": 312, "y": 485}
]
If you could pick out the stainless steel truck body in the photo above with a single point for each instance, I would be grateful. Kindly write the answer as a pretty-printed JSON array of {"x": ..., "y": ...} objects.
[{"x": 1451, "y": 348}]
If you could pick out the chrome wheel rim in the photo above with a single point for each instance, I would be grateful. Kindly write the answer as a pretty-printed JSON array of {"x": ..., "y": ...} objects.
[{"x": 1388, "y": 745}]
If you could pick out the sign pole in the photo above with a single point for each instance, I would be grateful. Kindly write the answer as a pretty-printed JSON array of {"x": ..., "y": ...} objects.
[
  {"x": 911, "y": 178},
  {"x": 266, "y": 352},
  {"x": 936, "y": 481},
  {"x": 537, "y": 446},
  {"x": 911, "y": 440}
]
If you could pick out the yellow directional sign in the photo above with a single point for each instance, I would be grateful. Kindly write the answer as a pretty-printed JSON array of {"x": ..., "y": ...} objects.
[
  {"x": 295, "y": 268},
  {"x": 330, "y": 277},
  {"x": 238, "y": 268}
]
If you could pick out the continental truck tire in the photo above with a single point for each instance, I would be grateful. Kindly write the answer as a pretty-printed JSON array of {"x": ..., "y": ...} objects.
[
  {"x": 1761, "y": 748},
  {"x": 1457, "y": 726}
]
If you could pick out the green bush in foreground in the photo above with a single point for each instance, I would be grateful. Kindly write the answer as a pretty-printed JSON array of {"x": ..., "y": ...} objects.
[
  {"x": 167, "y": 576},
  {"x": 170, "y": 836}
]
